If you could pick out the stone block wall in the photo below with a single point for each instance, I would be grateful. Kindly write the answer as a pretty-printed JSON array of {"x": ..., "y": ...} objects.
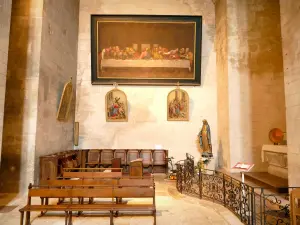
[
  {"x": 290, "y": 17},
  {"x": 147, "y": 125},
  {"x": 5, "y": 16},
  {"x": 58, "y": 65}
]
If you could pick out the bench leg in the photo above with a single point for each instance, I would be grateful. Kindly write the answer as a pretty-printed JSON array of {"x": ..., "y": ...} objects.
[
  {"x": 27, "y": 220},
  {"x": 42, "y": 203},
  {"x": 66, "y": 217},
  {"x": 80, "y": 201},
  {"x": 117, "y": 214},
  {"x": 111, "y": 218},
  {"x": 21, "y": 218},
  {"x": 70, "y": 218},
  {"x": 119, "y": 200},
  {"x": 47, "y": 201},
  {"x": 60, "y": 200},
  {"x": 154, "y": 215}
]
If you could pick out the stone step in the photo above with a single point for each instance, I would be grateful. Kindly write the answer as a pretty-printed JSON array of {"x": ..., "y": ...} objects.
[{"x": 278, "y": 183}]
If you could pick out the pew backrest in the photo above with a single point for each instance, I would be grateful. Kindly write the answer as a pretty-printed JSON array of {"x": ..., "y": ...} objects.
[
  {"x": 79, "y": 182},
  {"x": 92, "y": 175}
]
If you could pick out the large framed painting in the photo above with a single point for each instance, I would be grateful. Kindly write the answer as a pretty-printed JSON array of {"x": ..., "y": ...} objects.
[
  {"x": 146, "y": 50},
  {"x": 116, "y": 106},
  {"x": 178, "y": 105}
]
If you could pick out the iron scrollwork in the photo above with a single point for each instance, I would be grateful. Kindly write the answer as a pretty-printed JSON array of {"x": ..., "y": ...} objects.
[{"x": 251, "y": 205}]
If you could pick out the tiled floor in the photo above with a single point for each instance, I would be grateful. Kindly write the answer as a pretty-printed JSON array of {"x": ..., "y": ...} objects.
[{"x": 172, "y": 208}]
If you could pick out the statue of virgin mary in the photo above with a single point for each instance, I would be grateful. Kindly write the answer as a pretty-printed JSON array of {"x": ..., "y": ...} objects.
[{"x": 205, "y": 140}]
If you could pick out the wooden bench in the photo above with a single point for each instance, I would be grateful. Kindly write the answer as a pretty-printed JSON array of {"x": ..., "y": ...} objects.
[
  {"x": 127, "y": 188},
  {"x": 84, "y": 183},
  {"x": 92, "y": 173},
  {"x": 95, "y": 173}
]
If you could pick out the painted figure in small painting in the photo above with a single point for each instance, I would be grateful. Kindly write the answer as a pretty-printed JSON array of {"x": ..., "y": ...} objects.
[
  {"x": 116, "y": 106},
  {"x": 178, "y": 105},
  {"x": 205, "y": 140}
]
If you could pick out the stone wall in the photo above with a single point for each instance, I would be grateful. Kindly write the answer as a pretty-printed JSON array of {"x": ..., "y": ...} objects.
[
  {"x": 5, "y": 16},
  {"x": 58, "y": 64},
  {"x": 290, "y": 15},
  {"x": 255, "y": 78},
  {"x": 147, "y": 125}
]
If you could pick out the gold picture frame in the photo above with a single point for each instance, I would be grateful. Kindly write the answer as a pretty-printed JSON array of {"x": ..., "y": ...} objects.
[
  {"x": 116, "y": 109},
  {"x": 65, "y": 102},
  {"x": 178, "y": 105}
]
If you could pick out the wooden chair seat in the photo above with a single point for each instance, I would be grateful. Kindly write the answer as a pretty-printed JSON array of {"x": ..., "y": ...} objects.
[
  {"x": 137, "y": 207},
  {"x": 110, "y": 207},
  {"x": 44, "y": 207}
]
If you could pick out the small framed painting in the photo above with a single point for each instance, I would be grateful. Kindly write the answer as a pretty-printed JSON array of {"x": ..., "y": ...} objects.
[
  {"x": 116, "y": 106},
  {"x": 178, "y": 105}
]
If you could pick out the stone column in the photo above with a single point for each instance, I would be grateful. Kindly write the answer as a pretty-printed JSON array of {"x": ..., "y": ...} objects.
[
  {"x": 253, "y": 88},
  {"x": 20, "y": 111}
]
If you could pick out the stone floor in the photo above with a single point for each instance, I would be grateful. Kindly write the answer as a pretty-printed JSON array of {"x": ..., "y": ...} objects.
[{"x": 172, "y": 208}]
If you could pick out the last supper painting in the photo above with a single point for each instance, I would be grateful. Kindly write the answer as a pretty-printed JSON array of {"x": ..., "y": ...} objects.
[{"x": 146, "y": 50}]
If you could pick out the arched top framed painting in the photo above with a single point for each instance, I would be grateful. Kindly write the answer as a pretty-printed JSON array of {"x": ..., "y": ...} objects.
[
  {"x": 116, "y": 106},
  {"x": 178, "y": 105},
  {"x": 146, "y": 50}
]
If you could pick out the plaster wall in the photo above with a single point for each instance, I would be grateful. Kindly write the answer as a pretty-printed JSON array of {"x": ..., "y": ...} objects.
[{"x": 147, "y": 125}]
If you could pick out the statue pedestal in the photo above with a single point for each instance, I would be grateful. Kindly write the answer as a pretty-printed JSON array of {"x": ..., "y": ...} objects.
[
  {"x": 276, "y": 156},
  {"x": 211, "y": 165}
]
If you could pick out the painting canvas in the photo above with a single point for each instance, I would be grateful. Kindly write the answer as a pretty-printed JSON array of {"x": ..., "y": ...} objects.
[
  {"x": 116, "y": 106},
  {"x": 178, "y": 105},
  {"x": 65, "y": 102},
  {"x": 147, "y": 50}
]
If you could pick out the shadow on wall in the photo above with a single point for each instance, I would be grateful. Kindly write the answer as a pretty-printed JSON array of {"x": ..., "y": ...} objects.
[{"x": 10, "y": 172}]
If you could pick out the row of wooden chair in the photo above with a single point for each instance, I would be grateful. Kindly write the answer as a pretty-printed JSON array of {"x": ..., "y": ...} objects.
[{"x": 97, "y": 157}]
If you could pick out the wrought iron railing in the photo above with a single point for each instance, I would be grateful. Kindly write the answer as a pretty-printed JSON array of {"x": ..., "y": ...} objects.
[{"x": 252, "y": 205}]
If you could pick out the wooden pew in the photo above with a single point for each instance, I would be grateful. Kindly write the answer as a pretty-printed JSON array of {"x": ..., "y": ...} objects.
[
  {"x": 88, "y": 183},
  {"x": 77, "y": 192},
  {"x": 126, "y": 188}
]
